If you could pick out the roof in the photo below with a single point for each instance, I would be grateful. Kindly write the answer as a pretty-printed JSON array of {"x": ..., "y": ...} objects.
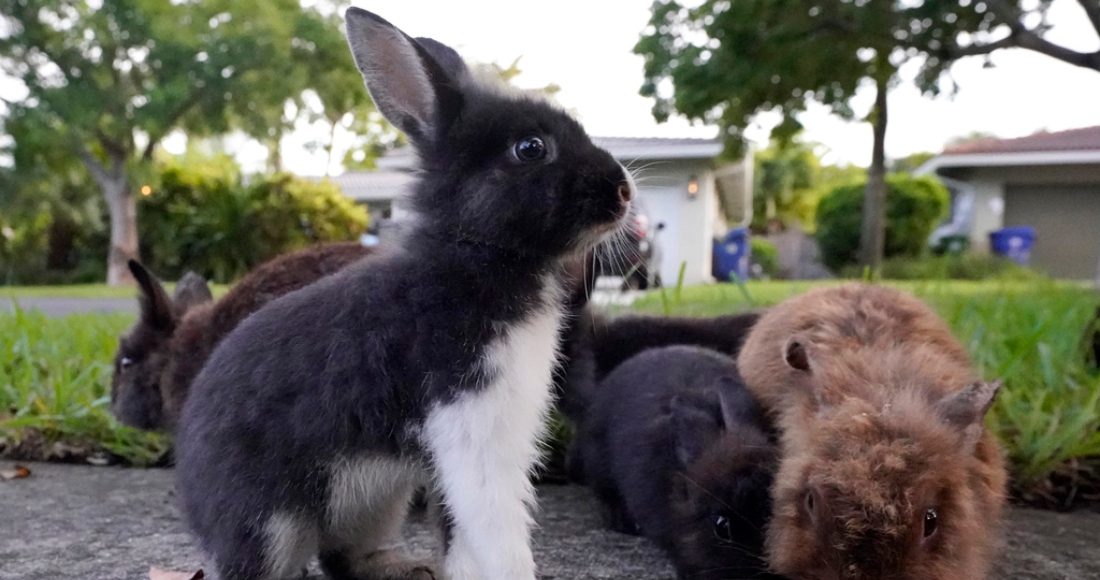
[
  {"x": 1072, "y": 147},
  {"x": 622, "y": 148},
  {"x": 635, "y": 148},
  {"x": 1084, "y": 139},
  {"x": 394, "y": 168}
]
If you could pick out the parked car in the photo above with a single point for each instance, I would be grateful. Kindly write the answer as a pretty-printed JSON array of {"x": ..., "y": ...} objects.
[{"x": 635, "y": 256}]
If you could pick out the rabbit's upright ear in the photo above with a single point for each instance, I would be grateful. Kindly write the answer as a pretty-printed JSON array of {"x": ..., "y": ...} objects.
[
  {"x": 738, "y": 406},
  {"x": 414, "y": 84},
  {"x": 156, "y": 306},
  {"x": 966, "y": 409},
  {"x": 191, "y": 291}
]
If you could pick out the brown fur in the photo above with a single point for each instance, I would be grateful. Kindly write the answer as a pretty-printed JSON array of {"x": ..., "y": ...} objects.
[
  {"x": 871, "y": 431},
  {"x": 170, "y": 350}
]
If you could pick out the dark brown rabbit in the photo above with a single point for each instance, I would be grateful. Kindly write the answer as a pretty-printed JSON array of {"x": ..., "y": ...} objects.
[
  {"x": 160, "y": 356},
  {"x": 886, "y": 470}
]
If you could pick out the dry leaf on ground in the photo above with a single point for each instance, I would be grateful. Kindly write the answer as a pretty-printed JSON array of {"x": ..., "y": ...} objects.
[
  {"x": 17, "y": 472},
  {"x": 158, "y": 574}
]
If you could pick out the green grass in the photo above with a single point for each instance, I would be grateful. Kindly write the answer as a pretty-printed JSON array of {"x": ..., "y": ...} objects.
[
  {"x": 87, "y": 291},
  {"x": 1028, "y": 334},
  {"x": 55, "y": 372},
  {"x": 55, "y": 386}
]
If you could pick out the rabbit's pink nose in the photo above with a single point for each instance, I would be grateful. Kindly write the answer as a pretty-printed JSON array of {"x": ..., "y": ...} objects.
[{"x": 625, "y": 192}]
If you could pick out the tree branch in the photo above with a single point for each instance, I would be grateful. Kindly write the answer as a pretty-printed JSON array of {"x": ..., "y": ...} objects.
[
  {"x": 958, "y": 52},
  {"x": 170, "y": 122},
  {"x": 98, "y": 171},
  {"x": 1092, "y": 9},
  {"x": 1024, "y": 38},
  {"x": 1082, "y": 59}
]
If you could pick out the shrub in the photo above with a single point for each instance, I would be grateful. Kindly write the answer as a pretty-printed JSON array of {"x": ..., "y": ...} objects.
[
  {"x": 200, "y": 217},
  {"x": 765, "y": 254},
  {"x": 23, "y": 249},
  {"x": 950, "y": 267},
  {"x": 914, "y": 205}
]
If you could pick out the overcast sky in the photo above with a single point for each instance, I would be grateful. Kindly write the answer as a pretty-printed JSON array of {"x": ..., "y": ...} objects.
[{"x": 585, "y": 47}]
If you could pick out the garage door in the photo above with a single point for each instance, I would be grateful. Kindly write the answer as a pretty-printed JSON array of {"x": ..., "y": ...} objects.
[{"x": 1067, "y": 227}]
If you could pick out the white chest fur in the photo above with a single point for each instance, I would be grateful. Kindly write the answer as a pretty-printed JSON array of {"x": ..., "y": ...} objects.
[{"x": 485, "y": 443}]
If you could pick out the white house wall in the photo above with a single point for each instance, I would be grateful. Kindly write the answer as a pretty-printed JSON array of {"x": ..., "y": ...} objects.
[{"x": 689, "y": 223}]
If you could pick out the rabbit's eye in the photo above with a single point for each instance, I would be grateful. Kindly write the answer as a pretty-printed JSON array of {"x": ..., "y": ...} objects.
[
  {"x": 529, "y": 149},
  {"x": 126, "y": 362},
  {"x": 931, "y": 522},
  {"x": 809, "y": 502},
  {"x": 722, "y": 529}
]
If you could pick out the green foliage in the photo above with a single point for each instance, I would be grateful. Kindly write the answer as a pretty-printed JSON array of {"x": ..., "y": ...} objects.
[
  {"x": 968, "y": 266},
  {"x": 200, "y": 217},
  {"x": 23, "y": 249},
  {"x": 725, "y": 62},
  {"x": 914, "y": 205},
  {"x": 766, "y": 255},
  {"x": 785, "y": 177},
  {"x": 292, "y": 213},
  {"x": 790, "y": 181},
  {"x": 100, "y": 74},
  {"x": 55, "y": 387}
]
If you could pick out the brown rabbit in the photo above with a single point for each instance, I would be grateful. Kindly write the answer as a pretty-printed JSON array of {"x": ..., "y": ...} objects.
[
  {"x": 886, "y": 470},
  {"x": 160, "y": 356}
]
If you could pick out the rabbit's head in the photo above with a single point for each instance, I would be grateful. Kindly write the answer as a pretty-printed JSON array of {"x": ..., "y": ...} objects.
[
  {"x": 144, "y": 351},
  {"x": 905, "y": 487},
  {"x": 720, "y": 502},
  {"x": 500, "y": 169}
]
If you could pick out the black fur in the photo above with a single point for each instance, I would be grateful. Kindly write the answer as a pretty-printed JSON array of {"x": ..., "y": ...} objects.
[
  {"x": 672, "y": 442},
  {"x": 144, "y": 352},
  {"x": 595, "y": 345},
  {"x": 354, "y": 363}
]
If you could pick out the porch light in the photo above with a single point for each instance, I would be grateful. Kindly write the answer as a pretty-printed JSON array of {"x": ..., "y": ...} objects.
[
  {"x": 693, "y": 187},
  {"x": 146, "y": 190}
]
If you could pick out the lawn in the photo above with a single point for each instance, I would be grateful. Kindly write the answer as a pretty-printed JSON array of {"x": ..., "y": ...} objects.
[{"x": 55, "y": 373}]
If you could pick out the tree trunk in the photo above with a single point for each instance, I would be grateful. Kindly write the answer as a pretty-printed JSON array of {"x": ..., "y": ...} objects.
[
  {"x": 873, "y": 235},
  {"x": 121, "y": 206},
  {"x": 331, "y": 147},
  {"x": 124, "y": 237},
  {"x": 275, "y": 153}
]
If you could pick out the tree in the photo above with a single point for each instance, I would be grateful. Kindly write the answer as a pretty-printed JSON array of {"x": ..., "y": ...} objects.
[
  {"x": 107, "y": 80},
  {"x": 785, "y": 174},
  {"x": 726, "y": 61}
]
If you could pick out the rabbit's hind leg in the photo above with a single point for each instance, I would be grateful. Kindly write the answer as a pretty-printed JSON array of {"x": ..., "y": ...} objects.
[{"x": 363, "y": 538}]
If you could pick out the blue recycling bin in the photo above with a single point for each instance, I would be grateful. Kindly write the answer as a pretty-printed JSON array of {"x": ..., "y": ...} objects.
[
  {"x": 732, "y": 255},
  {"x": 1013, "y": 243}
]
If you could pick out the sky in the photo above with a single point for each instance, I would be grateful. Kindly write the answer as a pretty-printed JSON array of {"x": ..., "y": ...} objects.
[{"x": 585, "y": 47}]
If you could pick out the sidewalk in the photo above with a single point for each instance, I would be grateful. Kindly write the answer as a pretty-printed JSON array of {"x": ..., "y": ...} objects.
[
  {"x": 66, "y": 306},
  {"x": 99, "y": 523}
]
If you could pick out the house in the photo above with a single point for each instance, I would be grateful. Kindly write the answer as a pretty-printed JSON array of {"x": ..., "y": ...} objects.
[
  {"x": 1050, "y": 181},
  {"x": 681, "y": 188}
]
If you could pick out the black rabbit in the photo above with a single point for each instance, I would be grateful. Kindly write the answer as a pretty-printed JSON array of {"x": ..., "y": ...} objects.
[
  {"x": 676, "y": 450},
  {"x": 596, "y": 344},
  {"x": 313, "y": 421}
]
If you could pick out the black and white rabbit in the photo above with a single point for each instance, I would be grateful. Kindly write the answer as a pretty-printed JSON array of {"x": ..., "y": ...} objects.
[
  {"x": 676, "y": 450},
  {"x": 313, "y": 421}
]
